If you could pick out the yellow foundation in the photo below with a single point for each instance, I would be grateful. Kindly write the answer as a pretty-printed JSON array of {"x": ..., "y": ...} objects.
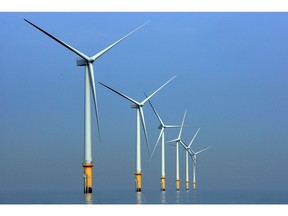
[
  {"x": 187, "y": 185},
  {"x": 194, "y": 185},
  {"x": 138, "y": 179},
  {"x": 163, "y": 183},
  {"x": 177, "y": 184},
  {"x": 87, "y": 177}
]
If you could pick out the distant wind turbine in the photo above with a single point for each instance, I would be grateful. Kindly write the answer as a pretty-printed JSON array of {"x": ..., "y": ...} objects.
[
  {"x": 162, "y": 126},
  {"x": 178, "y": 140},
  {"x": 194, "y": 155},
  {"x": 188, "y": 152},
  {"x": 139, "y": 115},
  {"x": 89, "y": 82}
]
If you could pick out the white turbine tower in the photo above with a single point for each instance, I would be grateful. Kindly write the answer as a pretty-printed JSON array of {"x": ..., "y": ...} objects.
[
  {"x": 89, "y": 85},
  {"x": 188, "y": 152},
  {"x": 162, "y": 126},
  {"x": 139, "y": 115},
  {"x": 178, "y": 140}
]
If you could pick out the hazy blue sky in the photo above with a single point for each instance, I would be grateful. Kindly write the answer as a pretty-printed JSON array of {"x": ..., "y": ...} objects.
[{"x": 232, "y": 79}]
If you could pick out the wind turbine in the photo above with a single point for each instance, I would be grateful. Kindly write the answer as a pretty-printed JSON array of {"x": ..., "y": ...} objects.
[
  {"x": 139, "y": 115},
  {"x": 194, "y": 155},
  {"x": 188, "y": 152},
  {"x": 162, "y": 126},
  {"x": 178, "y": 140},
  {"x": 89, "y": 85}
]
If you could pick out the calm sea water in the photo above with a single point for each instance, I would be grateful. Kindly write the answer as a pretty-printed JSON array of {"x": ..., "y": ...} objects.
[{"x": 149, "y": 197}]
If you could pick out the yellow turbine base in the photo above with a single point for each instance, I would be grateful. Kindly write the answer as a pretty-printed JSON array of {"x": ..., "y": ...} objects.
[
  {"x": 194, "y": 185},
  {"x": 138, "y": 179},
  {"x": 187, "y": 185},
  {"x": 87, "y": 177},
  {"x": 163, "y": 183},
  {"x": 177, "y": 184}
]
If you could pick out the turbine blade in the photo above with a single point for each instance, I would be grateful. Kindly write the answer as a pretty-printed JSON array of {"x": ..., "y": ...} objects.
[
  {"x": 119, "y": 93},
  {"x": 174, "y": 140},
  {"x": 92, "y": 82},
  {"x": 160, "y": 120},
  {"x": 112, "y": 45},
  {"x": 144, "y": 101},
  {"x": 180, "y": 132},
  {"x": 183, "y": 144},
  {"x": 172, "y": 126},
  {"x": 61, "y": 42},
  {"x": 193, "y": 138},
  {"x": 161, "y": 132},
  {"x": 144, "y": 128},
  {"x": 202, "y": 150}
]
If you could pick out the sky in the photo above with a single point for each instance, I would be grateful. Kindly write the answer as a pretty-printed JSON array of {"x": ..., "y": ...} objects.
[{"x": 231, "y": 78}]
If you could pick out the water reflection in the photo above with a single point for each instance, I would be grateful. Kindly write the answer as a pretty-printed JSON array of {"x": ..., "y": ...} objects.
[
  {"x": 163, "y": 197},
  {"x": 177, "y": 198},
  {"x": 139, "y": 198},
  {"x": 189, "y": 197},
  {"x": 88, "y": 198}
]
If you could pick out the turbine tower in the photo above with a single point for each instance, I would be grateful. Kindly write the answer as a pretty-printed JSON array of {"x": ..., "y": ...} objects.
[
  {"x": 89, "y": 85},
  {"x": 162, "y": 126},
  {"x": 178, "y": 140},
  {"x": 139, "y": 115}
]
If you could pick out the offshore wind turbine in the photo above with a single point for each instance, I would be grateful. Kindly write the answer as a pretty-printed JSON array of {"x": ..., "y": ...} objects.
[
  {"x": 89, "y": 85},
  {"x": 188, "y": 152},
  {"x": 194, "y": 155},
  {"x": 139, "y": 115},
  {"x": 178, "y": 140},
  {"x": 162, "y": 126}
]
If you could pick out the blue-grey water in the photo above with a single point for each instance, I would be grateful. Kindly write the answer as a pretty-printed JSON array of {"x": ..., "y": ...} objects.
[{"x": 148, "y": 197}]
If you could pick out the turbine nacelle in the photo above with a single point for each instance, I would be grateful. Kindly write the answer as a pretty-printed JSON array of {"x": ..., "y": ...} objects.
[
  {"x": 134, "y": 106},
  {"x": 84, "y": 62},
  {"x": 81, "y": 62}
]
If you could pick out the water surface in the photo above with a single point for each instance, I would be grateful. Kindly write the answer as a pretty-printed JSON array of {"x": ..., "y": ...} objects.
[{"x": 148, "y": 197}]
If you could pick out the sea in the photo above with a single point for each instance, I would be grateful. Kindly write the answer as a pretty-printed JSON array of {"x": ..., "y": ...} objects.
[
  {"x": 264, "y": 202},
  {"x": 148, "y": 197}
]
